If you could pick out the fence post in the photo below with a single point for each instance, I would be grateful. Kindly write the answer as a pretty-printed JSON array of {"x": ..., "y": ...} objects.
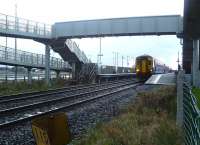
[{"x": 179, "y": 114}]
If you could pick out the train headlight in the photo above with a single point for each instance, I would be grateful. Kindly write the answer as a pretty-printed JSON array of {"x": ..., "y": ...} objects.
[{"x": 137, "y": 70}]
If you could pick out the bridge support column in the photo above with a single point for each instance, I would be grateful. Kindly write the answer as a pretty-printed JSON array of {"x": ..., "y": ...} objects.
[
  {"x": 29, "y": 76},
  {"x": 195, "y": 64},
  {"x": 47, "y": 64},
  {"x": 73, "y": 70}
]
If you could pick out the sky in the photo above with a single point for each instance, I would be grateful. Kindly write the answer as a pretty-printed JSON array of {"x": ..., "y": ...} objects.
[{"x": 164, "y": 48}]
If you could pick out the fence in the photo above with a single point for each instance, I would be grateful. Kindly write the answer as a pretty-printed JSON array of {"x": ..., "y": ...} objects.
[{"x": 191, "y": 117}]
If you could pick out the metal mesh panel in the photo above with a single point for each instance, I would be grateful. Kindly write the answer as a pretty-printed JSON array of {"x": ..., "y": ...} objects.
[{"x": 191, "y": 117}]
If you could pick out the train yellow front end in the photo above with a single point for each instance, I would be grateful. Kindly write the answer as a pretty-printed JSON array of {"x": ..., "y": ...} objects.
[{"x": 144, "y": 66}]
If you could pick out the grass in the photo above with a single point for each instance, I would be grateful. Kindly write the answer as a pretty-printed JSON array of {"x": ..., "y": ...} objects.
[
  {"x": 20, "y": 87},
  {"x": 148, "y": 121},
  {"x": 196, "y": 92}
]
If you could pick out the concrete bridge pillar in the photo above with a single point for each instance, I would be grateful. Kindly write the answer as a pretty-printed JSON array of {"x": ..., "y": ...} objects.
[
  {"x": 195, "y": 64},
  {"x": 47, "y": 64},
  {"x": 29, "y": 76}
]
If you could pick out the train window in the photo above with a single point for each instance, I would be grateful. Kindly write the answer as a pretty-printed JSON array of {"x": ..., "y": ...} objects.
[{"x": 149, "y": 62}]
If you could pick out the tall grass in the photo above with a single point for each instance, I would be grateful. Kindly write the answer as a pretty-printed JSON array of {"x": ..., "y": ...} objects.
[{"x": 148, "y": 121}]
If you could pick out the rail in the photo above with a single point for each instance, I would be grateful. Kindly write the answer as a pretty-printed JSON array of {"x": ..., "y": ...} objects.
[
  {"x": 191, "y": 117},
  {"x": 11, "y": 24},
  {"x": 23, "y": 58}
]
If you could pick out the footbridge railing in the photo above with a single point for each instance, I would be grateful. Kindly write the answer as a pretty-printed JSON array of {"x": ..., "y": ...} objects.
[
  {"x": 11, "y": 25},
  {"x": 27, "y": 59}
]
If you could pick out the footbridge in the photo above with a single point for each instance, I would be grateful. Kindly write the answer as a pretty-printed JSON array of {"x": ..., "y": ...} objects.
[
  {"x": 131, "y": 26},
  {"x": 57, "y": 36}
]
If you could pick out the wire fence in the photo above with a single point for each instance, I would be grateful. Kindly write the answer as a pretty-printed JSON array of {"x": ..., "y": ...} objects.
[{"x": 191, "y": 117}]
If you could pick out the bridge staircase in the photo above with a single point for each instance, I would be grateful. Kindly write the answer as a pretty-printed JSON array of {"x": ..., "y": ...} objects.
[
  {"x": 69, "y": 51},
  {"x": 88, "y": 72}
]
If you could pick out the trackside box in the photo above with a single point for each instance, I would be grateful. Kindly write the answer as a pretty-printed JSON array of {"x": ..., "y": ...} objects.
[{"x": 51, "y": 129}]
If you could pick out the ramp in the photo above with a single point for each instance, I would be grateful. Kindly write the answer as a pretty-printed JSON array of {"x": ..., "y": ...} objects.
[{"x": 162, "y": 79}]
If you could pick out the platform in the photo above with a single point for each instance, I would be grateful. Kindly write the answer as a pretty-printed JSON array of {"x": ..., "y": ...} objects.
[
  {"x": 162, "y": 79},
  {"x": 118, "y": 76}
]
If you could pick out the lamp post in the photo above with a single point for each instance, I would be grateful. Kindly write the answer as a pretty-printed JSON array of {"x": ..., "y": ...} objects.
[{"x": 99, "y": 57}]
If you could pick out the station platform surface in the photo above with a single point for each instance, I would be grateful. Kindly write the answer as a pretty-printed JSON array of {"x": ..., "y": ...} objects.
[
  {"x": 162, "y": 79},
  {"x": 117, "y": 75}
]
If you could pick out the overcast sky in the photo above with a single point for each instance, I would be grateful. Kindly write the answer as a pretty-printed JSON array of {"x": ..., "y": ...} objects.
[{"x": 164, "y": 48}]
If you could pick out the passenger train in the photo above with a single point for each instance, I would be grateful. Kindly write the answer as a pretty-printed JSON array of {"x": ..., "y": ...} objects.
[{"x": 146, "y": 65}]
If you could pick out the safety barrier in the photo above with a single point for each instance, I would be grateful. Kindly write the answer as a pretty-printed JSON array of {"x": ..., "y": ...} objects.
[{"x": 191, "y": 117}]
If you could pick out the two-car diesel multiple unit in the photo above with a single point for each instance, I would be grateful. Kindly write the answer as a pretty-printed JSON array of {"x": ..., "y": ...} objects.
[{"x": 146, "y": 65}]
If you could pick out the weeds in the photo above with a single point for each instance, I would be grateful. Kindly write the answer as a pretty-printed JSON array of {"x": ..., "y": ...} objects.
[{"x": 196, "y": 92}]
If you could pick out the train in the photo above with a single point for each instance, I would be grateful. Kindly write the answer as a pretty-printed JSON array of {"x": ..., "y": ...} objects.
[{"x": 146, "y": 65}]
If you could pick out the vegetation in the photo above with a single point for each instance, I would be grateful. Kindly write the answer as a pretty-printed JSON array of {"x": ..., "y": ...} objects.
[
  {"x": 20, "y": 87},
  {"x": 196, "y": 92},
  {"x": 148, "y": 121}
]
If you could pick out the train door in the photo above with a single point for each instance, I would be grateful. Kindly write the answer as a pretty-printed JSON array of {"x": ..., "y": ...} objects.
[{"x": 144, "y": 64}]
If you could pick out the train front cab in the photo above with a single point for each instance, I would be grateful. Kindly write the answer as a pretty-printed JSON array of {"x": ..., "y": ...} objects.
[{"x": 144, "y": 66}]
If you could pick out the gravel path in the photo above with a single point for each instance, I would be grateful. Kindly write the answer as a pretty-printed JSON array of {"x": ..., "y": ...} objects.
[{"x": 80, "y": 119}]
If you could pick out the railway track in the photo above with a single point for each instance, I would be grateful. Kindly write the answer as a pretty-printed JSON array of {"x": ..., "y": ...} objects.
[
  {"x": 22, "y": 96},
  {"x": 29, "y": 98},
  {"x": 19, "y": 114}
]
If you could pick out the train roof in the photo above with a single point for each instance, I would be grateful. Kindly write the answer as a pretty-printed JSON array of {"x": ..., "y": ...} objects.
[{"x": 143, "y": 56}]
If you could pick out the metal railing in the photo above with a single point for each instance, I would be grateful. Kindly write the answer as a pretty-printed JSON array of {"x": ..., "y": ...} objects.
[
  {"x": 16, "y": 24},
  {"x": 75, "y": 49},
  {"x": 19, "y": 57},
  {"x": 191, "y": 117}
]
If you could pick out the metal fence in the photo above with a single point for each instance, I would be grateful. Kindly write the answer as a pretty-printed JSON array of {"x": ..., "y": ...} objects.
[
  {"x": 19, "y": 57},
  {"x": 16, "y": 24},
  {"x": 191, "y": 117}
]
